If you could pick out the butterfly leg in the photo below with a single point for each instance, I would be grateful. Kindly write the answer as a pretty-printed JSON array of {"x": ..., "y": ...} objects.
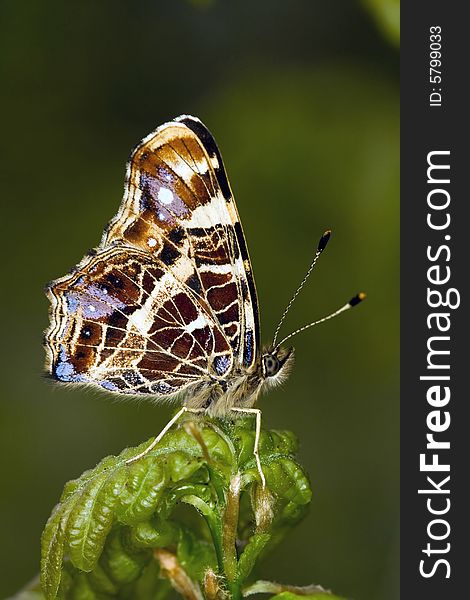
[
  {"x": 257, "y": 412},
  {"x": 168, "y": 426}
]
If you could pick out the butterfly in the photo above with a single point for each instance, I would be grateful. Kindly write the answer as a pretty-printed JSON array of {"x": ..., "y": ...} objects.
[{"x": 166, "y": 306}]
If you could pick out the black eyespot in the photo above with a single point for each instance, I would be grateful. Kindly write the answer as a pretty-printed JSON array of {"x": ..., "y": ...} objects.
[{"x": 86, "y": 332}]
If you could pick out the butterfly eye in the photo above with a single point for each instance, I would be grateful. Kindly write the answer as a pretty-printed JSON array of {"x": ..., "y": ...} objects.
[{"x": 270, "y": 365}]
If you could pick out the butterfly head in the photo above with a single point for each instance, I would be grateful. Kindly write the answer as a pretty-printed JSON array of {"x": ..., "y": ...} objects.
[{"x": 276, "y": 364}]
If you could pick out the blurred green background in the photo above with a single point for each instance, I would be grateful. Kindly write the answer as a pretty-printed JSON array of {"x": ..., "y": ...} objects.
[{"x": 302, "y": 97}]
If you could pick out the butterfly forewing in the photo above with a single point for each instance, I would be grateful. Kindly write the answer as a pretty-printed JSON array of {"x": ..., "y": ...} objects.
[{"x": 168, "y": 299}]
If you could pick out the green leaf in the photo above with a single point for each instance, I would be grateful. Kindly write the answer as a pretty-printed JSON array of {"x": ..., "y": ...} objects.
[
  {"x": 52, "y": 548},
  {"x": 289, "y": 592},
  {"x": 75, "y": 485},
  {"x": 122, "y": 562},
  {"x": 146, "y": 481},
  {"x": 315, "y": 596},
  {"x": 83, "y": 589},
  {"x": 154, "y": 533},
  {"x": 195, "y": 555},
  {"x": 250, "y": 555},
  {"x": 286, "y": 479},
  {"x": 101, "y": 582},
  {"x": 271, "y": 443},
  {"x": 66, "y": 581},
  {"x": 149, "y": 586},
  {"x": 92, "y": 517},
  {"x": 99, "y": 539}
]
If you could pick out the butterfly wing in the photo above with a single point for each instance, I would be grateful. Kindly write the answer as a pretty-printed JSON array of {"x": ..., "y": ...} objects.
[
  {"x": 123, "y": 322},
  {"x": 178, "y": 206},
  {"x": 168, "y": 299}
]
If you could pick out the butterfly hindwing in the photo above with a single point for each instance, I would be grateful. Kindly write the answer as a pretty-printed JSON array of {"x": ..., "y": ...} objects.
[{"x": 126, "y": 324}]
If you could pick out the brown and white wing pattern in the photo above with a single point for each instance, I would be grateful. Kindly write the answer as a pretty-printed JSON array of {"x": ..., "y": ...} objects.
[{"x": 168, "y": 299}]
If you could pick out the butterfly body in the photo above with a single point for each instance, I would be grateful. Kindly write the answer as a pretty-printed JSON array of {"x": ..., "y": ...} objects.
[{"x": 166, "y": 306}]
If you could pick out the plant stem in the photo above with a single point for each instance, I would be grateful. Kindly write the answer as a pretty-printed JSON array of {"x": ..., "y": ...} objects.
[
  {"x": 174, "y": 572},
  {"x": 229, "y": 535}
]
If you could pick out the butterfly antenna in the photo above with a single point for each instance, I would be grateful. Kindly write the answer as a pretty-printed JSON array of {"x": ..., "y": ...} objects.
[
  {"x": 353, "y": 302},
  {"x": 321, "y": 246}
]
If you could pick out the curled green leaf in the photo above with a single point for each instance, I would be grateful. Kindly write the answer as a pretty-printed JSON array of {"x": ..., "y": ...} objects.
[
  {"x": 91, "y": 518},
  {"x": 250, "y": 555},
  {"x": 104, "y": 537}
]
